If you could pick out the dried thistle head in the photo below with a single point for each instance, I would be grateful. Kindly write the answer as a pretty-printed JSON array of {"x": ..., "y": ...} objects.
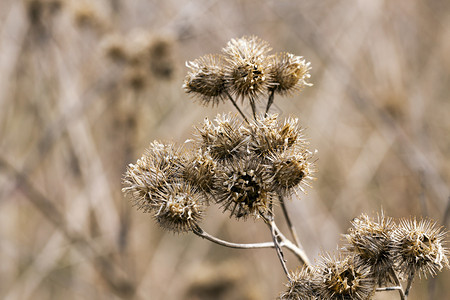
[
  {"x": 161, "y": 163},
  {"x": 241, "y": 187},
  {"x": 288, "y": 73},
  {"x": 205, "y": 79},
  {"x": 267, "y": 135},
  {"x": 223, "y": 140},
  {"x": 200, "y": 170},
  {"x": 420, "y": 248},
  {"x": 343, "y": 278},
  {"x": 155, "y": 184},
  {"x": 304, "y": 285},
  {"x": 290, "y": 170},
  {"x": 372, "y": 242},
  {"x": 178, "y": 206},
  {"x": 246, "y": 71},
  {"x": 168, "y": 157},
  {"x": 141, "y": 182}
]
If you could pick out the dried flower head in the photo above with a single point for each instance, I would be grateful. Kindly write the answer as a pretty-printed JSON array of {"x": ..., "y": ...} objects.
[
  {"x": 247, "y": 66},
  {"x": 372, "y": 242},
  {"x": 200, "y": 170},
  {"x": 288, "y": 73},
  {"x": 290, "y": 170},
  {"x": 267, "y": 135},
  {"x": 205, "y": 79},
  {"x": 304, "y": 285},
  {"x": 161, "y": 164},
  {"x": 178, "y": 206},
  {"x": 342, "y": 278},
  {"x": 155, "y": 184},
  {"x": 420, "y": 248},
  {"x": 223, "y": 139},
  {"x": 241, "y": 187},
  {"x": 167, "y": 157}
]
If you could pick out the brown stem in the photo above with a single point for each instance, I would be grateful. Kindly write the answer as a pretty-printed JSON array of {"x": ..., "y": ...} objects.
[
  {"x": 201, "y": 233},
  {"x": 397, "y": 283},
  {"x": 298, "y": 251},
  {"x": 409, "y": 283},
  {"x": 275, "y": 236},
  {"x": 270, "y": 101},
  {"x": 252, "y": 104},
  {"x": 284, "y": 243},
  {"x": 389, "y": 288},
  {"x": 236, "y": 106},
  {"x": 289, "y": 223}
]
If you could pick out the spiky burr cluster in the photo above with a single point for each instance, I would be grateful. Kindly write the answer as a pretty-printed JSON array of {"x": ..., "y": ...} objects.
[
  {"x": 246, "y": 166},
  {"x": 376, "y": 253},
  {"x": 246, "y": 70},
  {"x": 242, "y": 166}
]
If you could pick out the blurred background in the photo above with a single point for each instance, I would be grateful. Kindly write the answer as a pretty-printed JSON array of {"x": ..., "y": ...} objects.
[{"x": 85, "y": 86}]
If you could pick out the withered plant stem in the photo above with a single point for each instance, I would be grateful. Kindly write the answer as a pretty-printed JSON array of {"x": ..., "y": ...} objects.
[
  {"x": 276, "y": 242},
  {"x": 300, "y": 253},
  {"x": 203, "y": 234},
  {"x": 403, "y": 296},
  {"x": 283, "y": 243},
  {"x": 389, "y": 288},
  {"x": 409, "y": 283},
  {"x": 270, "y": 101},
  {"x": 289, "y": 223},
  {"x": 236, "y": 106},
  {"x": 253, "y": 105}
]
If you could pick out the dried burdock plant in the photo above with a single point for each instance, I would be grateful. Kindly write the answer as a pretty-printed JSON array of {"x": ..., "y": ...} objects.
[
  {"x": 372, "y": 242},
  {"x": 342, "y": 277},
  {"x": 206, "y": 79},
  {"x": 242, "y": 188},
  {"x": 246, "y": 71},
  {"x": 304, "y": 284},
  {"x": 249, "y": 165},
  {"x": 419, "y": 249},
  {"x": 222, "y": 139},
  {"x": 288, "y": 73}
]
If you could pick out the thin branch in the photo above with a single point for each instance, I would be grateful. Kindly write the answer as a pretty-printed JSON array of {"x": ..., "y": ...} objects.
[
  {"x": 409, "y": 283},
  {"x": 236, "y": 106},
  {"x": 300, "y": 253},
  {"x": 201, "y": 233},
  {"x": 289, "y": 223},
  {"x": 388, "y": 288},
  {"x": 270, "y": 101},
  {"x": 252, "y": 104},
  {"x": 284, "y": 243},
  {"x": 397, "y": 282},
  {"x": 280, "y": 254}
]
